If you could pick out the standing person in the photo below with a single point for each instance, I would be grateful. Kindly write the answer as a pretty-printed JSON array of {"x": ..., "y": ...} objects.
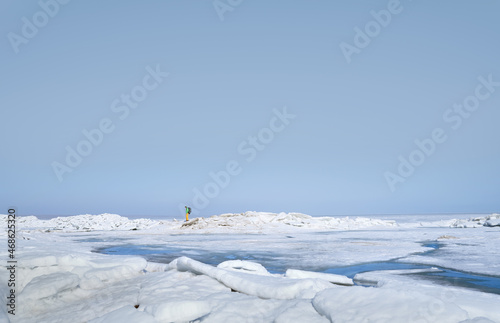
[{"x": 188, "y": 212}]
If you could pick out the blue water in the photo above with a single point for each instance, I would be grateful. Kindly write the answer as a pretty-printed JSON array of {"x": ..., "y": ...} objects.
[
  {"x": 351, "y": 271},
  {"x": 279, "y": 263},
  {"x": 161, "y": 254},
  {"x": 449, "y": 277}
]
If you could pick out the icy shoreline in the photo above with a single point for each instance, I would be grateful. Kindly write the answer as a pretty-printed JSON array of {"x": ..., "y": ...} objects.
[
  {"x": 61, "y": 279},
  {"x": 247, "y": 222}
]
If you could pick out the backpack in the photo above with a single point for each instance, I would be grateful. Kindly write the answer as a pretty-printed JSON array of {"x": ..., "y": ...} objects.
[{"x": 189, "y": 210}]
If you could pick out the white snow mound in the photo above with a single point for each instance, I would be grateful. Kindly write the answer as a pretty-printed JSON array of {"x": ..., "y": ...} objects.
[
  {"x": 244, "y": 266},
  {"x": 492, "y": 220},
  {"x": 361, "y": 304},
  {"x": 235, "y": 222},
  {"x": 86, "y": 222},
  {"x": 180, "y": 311},
  {"x": 264, "y": 220},
  {"x": 267, "y": 287},
  {"x": 332, "y": 278},
  {"x": 49, "y": 285}
]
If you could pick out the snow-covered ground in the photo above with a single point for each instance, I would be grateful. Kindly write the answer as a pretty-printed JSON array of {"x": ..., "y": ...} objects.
[{"x": 248, "y": 267}]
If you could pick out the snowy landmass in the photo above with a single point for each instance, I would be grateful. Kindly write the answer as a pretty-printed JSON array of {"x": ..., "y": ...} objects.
[
  {"x": 265, "y": 221},
  {"x": 492, "y": 220},
  {"x": 240, "y": 222},
  {"x": 60, "y": 277},
  {"x": 85, "y": 222}
]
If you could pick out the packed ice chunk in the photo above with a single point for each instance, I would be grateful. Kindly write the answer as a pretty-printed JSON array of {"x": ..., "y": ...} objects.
[
  {"x": 369, "y": 304},
  {"x": 155, "y": 267},
  {"x": 179, "y": 311},
  {"x": 244, "y": 266},
  {"x": 256, "y": 285},
  {"x": 492, "y": 220},
  {"x": 49, "y": 285},
  {"x": 172, "y": 285},
  {"x": 492, "y": 223},
  {"x": 87, "y": 222},
  {"x": 263, "y": 220},
  {"x": 300, "y": 311},
  {"x": 96, "y": 278},
  {"x": 251, "y": 220},
  {"x": 332, "y": 278},
  {"x": 383, "y": 277},
  {"x": 237, "y": 307},
  {"x": 125, "y": 314}
]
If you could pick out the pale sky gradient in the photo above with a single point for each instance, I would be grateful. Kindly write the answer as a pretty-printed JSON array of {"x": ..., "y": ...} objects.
[{"x": 226, "y": 81}]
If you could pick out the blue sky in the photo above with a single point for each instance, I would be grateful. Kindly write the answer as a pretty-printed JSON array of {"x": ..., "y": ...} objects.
[{"x": 190, "y": 101}]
